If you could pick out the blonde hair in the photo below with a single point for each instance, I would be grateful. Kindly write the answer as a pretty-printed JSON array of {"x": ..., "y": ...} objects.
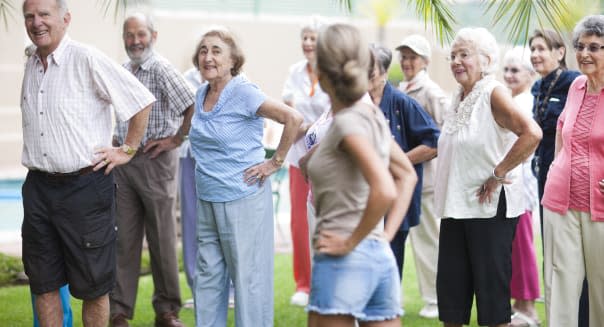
[{"x": 343, "y": 57}]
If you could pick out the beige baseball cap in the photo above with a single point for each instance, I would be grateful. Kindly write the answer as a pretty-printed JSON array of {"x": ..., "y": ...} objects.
[{"x": 418, "y": 44}]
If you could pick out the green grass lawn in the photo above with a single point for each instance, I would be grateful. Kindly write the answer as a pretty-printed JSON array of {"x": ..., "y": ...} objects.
[{"x": 16, "y": 307}]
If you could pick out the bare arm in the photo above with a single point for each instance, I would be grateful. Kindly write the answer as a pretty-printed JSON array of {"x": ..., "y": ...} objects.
[
  {"x": 171, "y": 142},
  {"x": 113, "y": 156},
  {"x": 529, "y": 134},
  {"x": 303, "y": 162},
  {"x": 382, "y": 193},
  {"x": 405, "y": 179},
  {"x": 291, "y": 120},
  {"x": 421, "y": 153}
]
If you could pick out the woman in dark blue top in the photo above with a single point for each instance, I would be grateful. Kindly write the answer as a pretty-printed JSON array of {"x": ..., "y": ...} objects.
[
  {"x": 414, "y": 131},
  {"x": 547, "y": 56}
]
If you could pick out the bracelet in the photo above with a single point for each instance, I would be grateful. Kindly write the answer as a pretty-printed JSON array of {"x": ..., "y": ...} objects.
[
  {"x": 497, "y": 178},
  {"x": 277, "y": 162}
]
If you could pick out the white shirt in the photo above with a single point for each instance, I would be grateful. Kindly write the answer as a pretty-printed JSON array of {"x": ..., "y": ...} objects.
[
  {"x": 66, "y": 111},
  {"x": 470, "y": 146},
  {"x": 297, "y": 89},
  {"x": 524, "y": 101}
]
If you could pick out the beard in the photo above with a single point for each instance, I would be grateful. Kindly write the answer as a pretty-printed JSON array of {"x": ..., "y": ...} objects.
[{"x": 141, "y": 57}]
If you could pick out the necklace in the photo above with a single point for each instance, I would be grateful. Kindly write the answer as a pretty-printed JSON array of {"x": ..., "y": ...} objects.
[{"x": 540, "y": 112}]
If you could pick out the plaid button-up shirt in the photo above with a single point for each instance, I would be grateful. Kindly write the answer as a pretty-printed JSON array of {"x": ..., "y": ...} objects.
[{"x": 173, "y": 95}]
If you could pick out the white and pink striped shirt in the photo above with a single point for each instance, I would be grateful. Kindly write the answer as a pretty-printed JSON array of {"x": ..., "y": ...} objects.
[{"x": 66, "y": 111}]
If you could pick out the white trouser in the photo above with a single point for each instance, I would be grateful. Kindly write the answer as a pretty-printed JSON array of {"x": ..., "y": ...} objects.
[{"x": 424, "y": 241}]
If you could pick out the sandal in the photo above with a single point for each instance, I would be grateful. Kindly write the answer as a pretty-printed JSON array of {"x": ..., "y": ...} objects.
[{"x": 519, "y": 319}]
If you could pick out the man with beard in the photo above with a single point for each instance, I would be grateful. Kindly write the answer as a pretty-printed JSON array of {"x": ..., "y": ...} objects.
[{"x": 146, "y": 193}]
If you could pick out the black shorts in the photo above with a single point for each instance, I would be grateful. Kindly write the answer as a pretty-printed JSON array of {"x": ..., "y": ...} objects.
[
  {"x": 475, "y": 259},
  {"x": 69, "y": 233}
]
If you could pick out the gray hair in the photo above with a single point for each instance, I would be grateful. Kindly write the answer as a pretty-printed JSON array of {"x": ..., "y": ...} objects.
[
  {"x": 383, "y": 56},
  {"x": 142, "y": 17},
  {"x": 314, "y": 24},
  {"x": 484, "y": 42},
  {"x": 61, "y": 5},
  {"x": 589, "y": 25},
  {"x": 519, "y": 55}
]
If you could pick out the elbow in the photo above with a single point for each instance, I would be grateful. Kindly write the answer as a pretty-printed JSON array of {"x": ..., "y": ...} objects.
[
  {"x": 295, "y": 119},
  {"x": 536, "y": 135},
  {"x": 433, "y": 153},
  {"x": 412, "y": 178},
  {"x": 389, "y": 193}
]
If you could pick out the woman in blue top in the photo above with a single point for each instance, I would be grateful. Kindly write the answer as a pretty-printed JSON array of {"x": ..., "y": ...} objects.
[
  {"x": 413, "y": 130},
  {"x": 235, "y": 208},
  {"x": 548, "y": 58}
]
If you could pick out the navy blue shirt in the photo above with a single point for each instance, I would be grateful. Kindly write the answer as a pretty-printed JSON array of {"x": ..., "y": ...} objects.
[
  {"x": 410, "y": 126},
  {"x": 548, "y": 120}
]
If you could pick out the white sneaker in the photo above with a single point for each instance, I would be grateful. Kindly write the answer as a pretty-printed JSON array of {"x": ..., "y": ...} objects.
[
  {"x": 189, "y": 304},
  {"x": 299, "y": 299},
  {"x": 429, "y": 311}
]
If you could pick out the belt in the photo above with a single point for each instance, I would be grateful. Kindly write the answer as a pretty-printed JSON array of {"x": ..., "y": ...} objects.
[{"x": 62, "y": 176}]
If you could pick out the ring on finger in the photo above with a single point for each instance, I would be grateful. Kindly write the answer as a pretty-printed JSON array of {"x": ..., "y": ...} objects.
[{"x": 106, "y": 162}]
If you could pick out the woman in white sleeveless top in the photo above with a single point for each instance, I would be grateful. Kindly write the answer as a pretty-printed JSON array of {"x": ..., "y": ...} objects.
[{"x": 479, "y": 189}]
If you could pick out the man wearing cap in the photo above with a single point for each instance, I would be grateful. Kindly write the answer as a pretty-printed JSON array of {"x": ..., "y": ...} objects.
[{"x": 414, "y": 54}]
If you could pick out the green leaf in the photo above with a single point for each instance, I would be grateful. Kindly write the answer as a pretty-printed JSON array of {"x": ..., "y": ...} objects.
[{"x": 518, "y": 16}]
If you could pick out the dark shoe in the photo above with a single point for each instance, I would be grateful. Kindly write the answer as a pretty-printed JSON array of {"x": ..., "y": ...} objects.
[
  {"x": 119, "y": 320},
  {"x": 168, "y": 319}
]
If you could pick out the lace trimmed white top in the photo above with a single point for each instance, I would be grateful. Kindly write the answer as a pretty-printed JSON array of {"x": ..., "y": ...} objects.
[{"x": 470, "y": 146}]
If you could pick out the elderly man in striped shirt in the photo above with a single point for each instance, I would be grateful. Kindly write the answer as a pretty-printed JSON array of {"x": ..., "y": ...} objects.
[
  {"x": 69, "y": 228},
  {"x": 146, "y": 194}
]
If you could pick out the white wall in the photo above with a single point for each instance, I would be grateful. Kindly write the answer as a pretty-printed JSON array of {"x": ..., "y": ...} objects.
[{"x": 271, "y": 44}]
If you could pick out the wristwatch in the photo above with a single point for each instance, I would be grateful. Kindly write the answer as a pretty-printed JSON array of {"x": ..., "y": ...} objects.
[{"x": 128, "y": 149}]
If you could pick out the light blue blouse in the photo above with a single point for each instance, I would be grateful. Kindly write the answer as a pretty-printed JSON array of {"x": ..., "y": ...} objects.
[{"x": 227, "y": 140}]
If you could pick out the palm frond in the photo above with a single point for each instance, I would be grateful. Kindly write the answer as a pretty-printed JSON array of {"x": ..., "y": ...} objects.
[
  {"x": 523, "y": 13},
  {"x": 119, "y": 6},
  {"x": 6, "y": 10},
  {"x": 439, "y": 15}
]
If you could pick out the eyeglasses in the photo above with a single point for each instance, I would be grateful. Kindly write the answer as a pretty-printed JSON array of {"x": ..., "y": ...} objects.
[
  {"x": 591, "y": 48},
  {"x": 463, "y": 55},
  {"x": 511, "y": 70}
]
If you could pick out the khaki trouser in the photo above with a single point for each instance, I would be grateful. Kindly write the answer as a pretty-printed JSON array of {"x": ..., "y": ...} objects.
[
  {"x": 573, "y": 249},
  {"x": 424, "y": 242},
  {"x": 146, "y": 198}
]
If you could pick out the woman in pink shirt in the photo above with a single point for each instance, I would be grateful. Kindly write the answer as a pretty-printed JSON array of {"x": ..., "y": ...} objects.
[{"x": 573, "y": 198}]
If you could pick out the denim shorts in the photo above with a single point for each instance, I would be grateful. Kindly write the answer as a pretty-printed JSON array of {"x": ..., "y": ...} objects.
[{"x": 363, "y": 283}]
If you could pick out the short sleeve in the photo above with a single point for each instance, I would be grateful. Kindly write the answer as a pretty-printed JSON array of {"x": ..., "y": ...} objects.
[
  {"x": 252, "y": 98},
  {"x": 119, "y": 87},
  {"x": 350, "y": 123},
  {"x": 177, "y": 89}
]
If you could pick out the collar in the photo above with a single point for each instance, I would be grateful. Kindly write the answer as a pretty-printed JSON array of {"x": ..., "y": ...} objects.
[
  {"x": 146, "y": 65},
  {"x": 415, "y": 82},
  {"x": 552, "y": 75},
  {"x": 57, "y": 56}
]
